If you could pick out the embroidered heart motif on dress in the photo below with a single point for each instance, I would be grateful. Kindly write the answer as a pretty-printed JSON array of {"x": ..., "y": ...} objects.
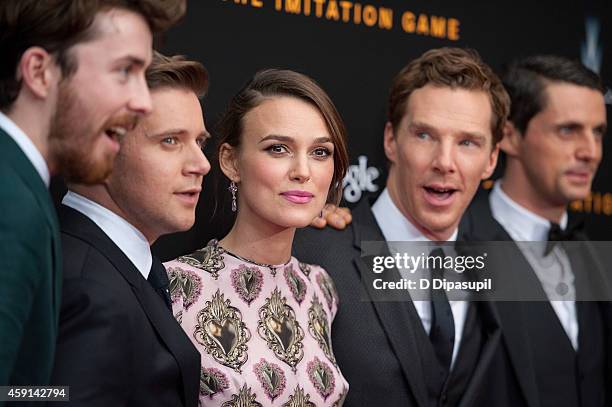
[
  {"x": 247, "y": 281},
  {"x": 224, "y": 334},
  {"x": 327, "y": 288},
  {"x": 282, "y": 330},
  {"x": 321, "y": 377},
  {"x": 295, "y": 283},
  {"x": 271, "y": 377},
  {"x": 212, "y": 381}
]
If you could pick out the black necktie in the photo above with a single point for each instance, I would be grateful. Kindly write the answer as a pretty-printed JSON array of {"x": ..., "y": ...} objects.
[
  {"x": 159, "y": 281},
  {"x": 556, "y": 234},
  {"x": 442, "y": 333}
]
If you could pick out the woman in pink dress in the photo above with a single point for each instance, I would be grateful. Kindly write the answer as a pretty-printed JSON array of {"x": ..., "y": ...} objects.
[{"x": 260, "y": 318}]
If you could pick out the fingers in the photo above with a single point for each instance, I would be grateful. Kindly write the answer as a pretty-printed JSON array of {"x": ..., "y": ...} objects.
[
  {"x": 318, "y": 223},
  {"x": 333, "y": 216},
  {"x": 345, "y": 213}
]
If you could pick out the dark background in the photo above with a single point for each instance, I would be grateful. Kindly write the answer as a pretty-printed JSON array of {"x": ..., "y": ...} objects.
[{"x": 355, "y": 63}]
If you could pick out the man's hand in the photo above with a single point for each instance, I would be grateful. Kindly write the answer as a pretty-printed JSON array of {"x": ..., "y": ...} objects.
[{"x": 333, "y": 216}]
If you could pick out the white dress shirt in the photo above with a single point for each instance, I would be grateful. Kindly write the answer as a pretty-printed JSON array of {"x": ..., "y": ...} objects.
[
  {"x": 525, "y": 227},
  {"x": 396, "y": 228},
  {"x": 26, "y": 145},
  {"x": 129, "y": 239}
]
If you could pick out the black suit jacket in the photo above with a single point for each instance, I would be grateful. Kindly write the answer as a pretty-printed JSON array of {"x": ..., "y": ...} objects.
[
  {"x": 118, "y": 343},
  {"x": 375, "y": 342},
  {"x": 514, "y": 361}
]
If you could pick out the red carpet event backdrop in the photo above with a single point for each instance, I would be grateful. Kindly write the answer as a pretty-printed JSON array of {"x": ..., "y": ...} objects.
[{"x": 353, "y": 49}]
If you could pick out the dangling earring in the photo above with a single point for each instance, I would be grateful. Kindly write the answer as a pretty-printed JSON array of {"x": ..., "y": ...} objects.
[
  {"x": 233, "y": 189},
  {"x": 321, "y": 214}
]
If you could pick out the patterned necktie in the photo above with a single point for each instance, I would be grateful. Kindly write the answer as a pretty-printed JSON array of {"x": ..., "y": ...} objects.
[
  {"x": 159, "y": 281},
  {"x": 442, "y": 333}
]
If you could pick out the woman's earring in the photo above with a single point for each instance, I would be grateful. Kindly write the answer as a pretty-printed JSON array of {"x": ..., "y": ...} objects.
[{"x": 233, "y": 189}]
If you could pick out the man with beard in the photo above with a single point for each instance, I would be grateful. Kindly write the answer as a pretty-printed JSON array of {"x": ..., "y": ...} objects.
[
  {"x": 555, "y": 348},
  {"x": 118, "y": 342},
  {"x": 446, "y": 114},
  {"x": 71, "y": 82}
]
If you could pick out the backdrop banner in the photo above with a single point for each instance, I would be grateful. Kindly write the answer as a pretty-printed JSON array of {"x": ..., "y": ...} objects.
[{"x": 354, "y": 49}]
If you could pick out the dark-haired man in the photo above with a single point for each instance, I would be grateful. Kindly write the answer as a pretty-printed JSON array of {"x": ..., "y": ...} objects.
[
  {"x": 558, "y": 348},
  {"x": 118, "y": 342},
  {"x": 71, "y": 82},
  {"x": 446, "y": 115}
]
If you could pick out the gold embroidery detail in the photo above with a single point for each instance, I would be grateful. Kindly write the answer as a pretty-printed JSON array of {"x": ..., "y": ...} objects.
[
  {"x": 305, "y": 268},
  {"x": 318, "y": 326},
  {"x": 222, "y": 332},
  {"x": 244, "y": 398},
  {"x": 208, "y": 258},
  {"x": 279, "y": 328},
  {"x": 298, "y": 399}
]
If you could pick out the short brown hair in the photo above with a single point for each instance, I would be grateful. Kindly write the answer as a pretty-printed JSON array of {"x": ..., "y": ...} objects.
[
  {"x": 57, "y": 25},
  {"x": 176, "y": 71},
  {"x": 454, "y": 68},
  {"x": 276, "y": 82}
]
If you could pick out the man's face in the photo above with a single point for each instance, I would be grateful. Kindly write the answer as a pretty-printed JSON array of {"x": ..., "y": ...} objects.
[
  {"x": 562, "y": 145},
  {"x": 157, "y": 177},
  {"x": 104, "y": 97},
  {"x": 439, "y": 153}
]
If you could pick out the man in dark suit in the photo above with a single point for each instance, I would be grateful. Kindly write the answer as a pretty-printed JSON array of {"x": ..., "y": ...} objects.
[
  {"x": 445, "y": 118},
  {"x": 118, "y": 342},
  {"x": 557, "y": 349},
  {"x": 68, "y": 85}
]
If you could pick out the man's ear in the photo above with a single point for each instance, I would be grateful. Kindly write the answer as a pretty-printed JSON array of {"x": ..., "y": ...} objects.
[
  {"x": 390, "y": 142},
  {"x": 492, "y": 162},
  {"x": 228, "y": 162},
  {"x": 38, "y": 72},
  {"x": 512, "y": 140}
]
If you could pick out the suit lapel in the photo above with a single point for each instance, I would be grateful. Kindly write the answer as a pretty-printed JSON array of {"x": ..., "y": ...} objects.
[
  {"x": 76, "y": 224},
  {"x": 512, "y": 315},
  {"x": 13, "y": 154},
  {"x": 395, "y": 317},
  {"x": 479, "y": 225},
  {"x": 491, "y": 341},
  {"x": 591, "y": 278}
]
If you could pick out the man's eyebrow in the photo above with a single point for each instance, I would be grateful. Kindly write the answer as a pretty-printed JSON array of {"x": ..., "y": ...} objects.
[
  {"x": 474, "y": 136},
  {"x": 421, "y": 126},
  {"x": 139, "y": 62},
  {"x": 429, "y": 128},
  {"x": 166, "y": 132},
  {"x": 177, "y": 131},
  {"x": 571, "y": 124}
]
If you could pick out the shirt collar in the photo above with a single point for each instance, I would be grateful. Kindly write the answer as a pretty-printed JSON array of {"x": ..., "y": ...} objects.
[
  {"x": 394, "y": 225},
  {"x": 520, "y": 223},
  {"x": 129, "y": 239},
  {"x": 27, "y": 146}
]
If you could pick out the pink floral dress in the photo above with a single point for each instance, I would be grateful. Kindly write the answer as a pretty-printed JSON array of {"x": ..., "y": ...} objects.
[{"x": 264, "y": 332}]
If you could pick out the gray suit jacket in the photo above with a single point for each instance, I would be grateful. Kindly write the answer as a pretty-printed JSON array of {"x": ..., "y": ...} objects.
[{"x": 375, "y": 342}]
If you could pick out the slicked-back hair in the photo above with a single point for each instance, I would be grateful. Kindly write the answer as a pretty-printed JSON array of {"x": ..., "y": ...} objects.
[
  {"x": 453, "y": 68},
  {"x": 526, "y": 80},
  {"x": 272, "y": 83},
  {"x": 57, "y": 25},
  {"x": 176, "y": 72}
]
